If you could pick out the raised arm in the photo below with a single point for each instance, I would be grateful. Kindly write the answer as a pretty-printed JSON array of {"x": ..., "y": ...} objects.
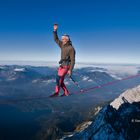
[{"x": 56, "y": 39}]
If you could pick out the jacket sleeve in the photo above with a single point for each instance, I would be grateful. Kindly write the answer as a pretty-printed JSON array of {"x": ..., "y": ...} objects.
[
  {"x": 56, "y": 39},
  {"x": 72, "y": 58}
]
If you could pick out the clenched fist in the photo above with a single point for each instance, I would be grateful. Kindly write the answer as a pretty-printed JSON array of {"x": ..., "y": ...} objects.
[{"x": 55, "y": 27}]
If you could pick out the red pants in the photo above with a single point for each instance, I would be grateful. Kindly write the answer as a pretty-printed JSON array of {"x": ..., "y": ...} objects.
[{"x": 62, "y": 71}]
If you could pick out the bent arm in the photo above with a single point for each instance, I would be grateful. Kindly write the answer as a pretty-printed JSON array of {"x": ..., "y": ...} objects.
[{"x": 72, "y": 58}]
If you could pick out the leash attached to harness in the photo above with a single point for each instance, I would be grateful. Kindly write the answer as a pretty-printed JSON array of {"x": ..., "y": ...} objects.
[{"x": 81, "y": 89}]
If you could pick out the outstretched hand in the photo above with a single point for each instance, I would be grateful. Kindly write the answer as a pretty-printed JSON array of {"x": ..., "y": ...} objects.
[{"x": 55, "y": 26}]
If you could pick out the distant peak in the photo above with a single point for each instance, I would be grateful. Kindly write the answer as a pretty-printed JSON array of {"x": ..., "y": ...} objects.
[
  {"x": 129, "y": 96},
  {"x": 19, "y": 69}
]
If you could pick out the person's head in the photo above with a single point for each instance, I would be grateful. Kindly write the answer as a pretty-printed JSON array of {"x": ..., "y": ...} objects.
[{"x": 65, "y": 38}]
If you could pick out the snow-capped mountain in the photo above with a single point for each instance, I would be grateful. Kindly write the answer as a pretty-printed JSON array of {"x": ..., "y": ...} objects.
[
  {"x": 118, "y": 121},
  {"x": 91, "y": 76},
  {"x": 13, "y": 73},
  {"x": 23, "y": 82},
  {"x": 130, "y": 96},
  {"x": 84, "y": 76},
  {"x": 19, "y": 69}
]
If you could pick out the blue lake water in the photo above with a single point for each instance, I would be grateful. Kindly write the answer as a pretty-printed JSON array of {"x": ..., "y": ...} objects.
[{"x": 18, "y": 125}]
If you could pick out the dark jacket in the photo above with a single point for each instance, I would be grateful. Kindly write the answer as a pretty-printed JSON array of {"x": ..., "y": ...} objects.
[{"x": 67, "y": 51}]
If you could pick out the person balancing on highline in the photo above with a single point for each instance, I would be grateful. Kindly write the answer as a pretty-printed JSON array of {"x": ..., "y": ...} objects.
[{"x": 67, "y": 61}]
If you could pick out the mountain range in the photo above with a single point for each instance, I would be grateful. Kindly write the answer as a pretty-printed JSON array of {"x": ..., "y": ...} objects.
[{"x": 120, "y": 120}]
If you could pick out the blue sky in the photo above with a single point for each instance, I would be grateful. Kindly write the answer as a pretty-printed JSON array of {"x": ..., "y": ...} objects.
[{"x": 101, "y": 30}]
